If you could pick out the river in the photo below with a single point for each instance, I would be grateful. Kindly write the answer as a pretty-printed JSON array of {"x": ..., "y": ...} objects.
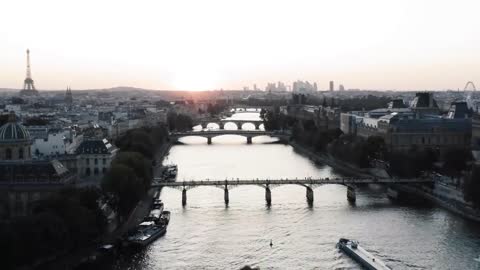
[{"x": 207, "y": 235}]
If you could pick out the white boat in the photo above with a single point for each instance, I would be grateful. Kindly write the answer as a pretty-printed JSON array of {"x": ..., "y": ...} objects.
[
  {"x": 146, "y": 233},
  {"x": 366, "y": 259}
]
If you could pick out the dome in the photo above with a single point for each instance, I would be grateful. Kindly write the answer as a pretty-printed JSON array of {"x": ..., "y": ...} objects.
[{"x": 13, "y": 132}]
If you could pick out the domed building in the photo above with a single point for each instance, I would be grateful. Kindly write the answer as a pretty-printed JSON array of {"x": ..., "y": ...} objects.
[
  {"x": 15, "y": 140},
  {"x": 24, "y": 181}
]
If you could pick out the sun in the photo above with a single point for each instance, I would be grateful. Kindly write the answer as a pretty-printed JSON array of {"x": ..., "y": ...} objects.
[{"x": 195, "y": 80}]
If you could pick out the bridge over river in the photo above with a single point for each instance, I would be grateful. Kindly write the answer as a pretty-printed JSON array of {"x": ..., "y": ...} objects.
[
  {"x": 209, "y": 134},
  {"x": 308, "y": 183},
  {"x": 221, "y": 122}
]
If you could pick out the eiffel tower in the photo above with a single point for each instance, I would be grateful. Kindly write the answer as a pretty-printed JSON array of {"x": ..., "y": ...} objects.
[{"x": 28, "y": 86}]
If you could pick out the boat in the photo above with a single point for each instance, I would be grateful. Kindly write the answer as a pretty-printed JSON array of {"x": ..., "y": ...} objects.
[
  {"x": 353, "y": 249},
  {"x": 146, "y": 233},
  {"x": 157, "y": 204},
  {"x": 170, "y": 173},
  {"x": 165, "y": 217},
  {"x": 154, "y": 215}
]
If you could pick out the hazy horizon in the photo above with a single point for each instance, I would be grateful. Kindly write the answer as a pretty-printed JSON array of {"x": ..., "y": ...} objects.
[{"x": 213, "y": 44}]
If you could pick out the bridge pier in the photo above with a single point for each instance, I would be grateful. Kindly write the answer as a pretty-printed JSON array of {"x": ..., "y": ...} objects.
[
  {"x": 249, "y": 140},
  {"x": 257, "y": 125},
  {"x": 184, "y": 197},
  {"x": 221, "y": 125},
  {"x": 239, "y": 126},
  {"x": 309, "y": 196},
  {"x": 209, "y": 140},
  {"x": 225, "y": 196},
  {"x": 351, "y": 196},
  {"x": 268, "y": 196}
]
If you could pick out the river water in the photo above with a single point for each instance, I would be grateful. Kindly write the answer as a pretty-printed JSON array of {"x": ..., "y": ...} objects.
[{"x": 205, "y": 234}]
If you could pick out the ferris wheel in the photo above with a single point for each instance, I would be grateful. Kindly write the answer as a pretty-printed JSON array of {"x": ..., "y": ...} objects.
[{"x": 471, "y": 84}]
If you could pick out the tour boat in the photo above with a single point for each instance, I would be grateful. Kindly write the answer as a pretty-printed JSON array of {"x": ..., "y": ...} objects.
[
  {"x": 146, "y": 233},
  {"x": 366, "y": 259}
]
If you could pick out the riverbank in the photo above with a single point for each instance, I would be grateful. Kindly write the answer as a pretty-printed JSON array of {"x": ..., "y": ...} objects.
[
  {"x": 451, "y": 204},
  {"x": 323, "y": 158},
  {"x": 73, "y": 259},
  {"x": 455, "y": 206}
]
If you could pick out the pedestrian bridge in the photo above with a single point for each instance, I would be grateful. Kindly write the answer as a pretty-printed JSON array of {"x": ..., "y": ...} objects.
[
  {"x": 308, "y": 183},
  {"x": 209, "y": 134}
]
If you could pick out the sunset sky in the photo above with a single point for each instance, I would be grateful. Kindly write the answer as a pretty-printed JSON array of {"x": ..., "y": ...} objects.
[{"x": 212, "y": 44}]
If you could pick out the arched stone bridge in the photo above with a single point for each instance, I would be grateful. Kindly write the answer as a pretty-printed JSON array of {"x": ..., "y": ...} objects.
[
  {"x": 221, "y": 123},
  {"x": 308, "y": 183},
  {"x": 248, "y": 109},
  {"x": 209, "y": 134}
]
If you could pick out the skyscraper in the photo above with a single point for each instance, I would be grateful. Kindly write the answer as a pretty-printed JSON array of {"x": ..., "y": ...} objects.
[{"x": 331, "y": 86}]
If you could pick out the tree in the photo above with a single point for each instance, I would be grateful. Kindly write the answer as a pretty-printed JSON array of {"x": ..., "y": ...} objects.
[
  {"x": 369, "y": 102},
  {"x": 79, "y": 211},
  {"x": 67, "y": 219},
  {"x": 456, "y": 160},
  {"x": 125, "y": 188},
  {"x": 139, "y": 164},
  {"x": 411, "y": 163},
  {"x": 137, "y": 140},
  {"x": 471, "y": 189},
  {"x": 179, "y": 122},
  {"x": 375, "y": 147}
]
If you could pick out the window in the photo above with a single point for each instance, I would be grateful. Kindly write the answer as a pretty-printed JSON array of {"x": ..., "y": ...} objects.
[
  {"x": 87, "y": 172},
  {"x": 104, "y": 170},
  {"x": 87, "y": 161},
  {"x": 20, "y": 153},
  {"x": 95, "y": 171},
  {"x": 8, "y": 154},
  {"x": 96, "y": 161},
  {"x": 104, "y": 161}
]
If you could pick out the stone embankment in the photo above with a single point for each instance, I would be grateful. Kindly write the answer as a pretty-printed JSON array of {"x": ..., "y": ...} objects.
[{"x": 441, "y": 194}]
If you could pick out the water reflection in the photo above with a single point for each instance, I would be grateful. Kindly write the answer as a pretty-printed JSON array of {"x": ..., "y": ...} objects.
[{"x": 207, "y": 235}]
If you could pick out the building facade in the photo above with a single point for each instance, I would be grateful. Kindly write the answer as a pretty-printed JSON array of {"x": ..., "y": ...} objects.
[
  {"x": 24, "y": 181},
  {"x": 419, "y": 126},
  {"x": 94, "y": 157}
]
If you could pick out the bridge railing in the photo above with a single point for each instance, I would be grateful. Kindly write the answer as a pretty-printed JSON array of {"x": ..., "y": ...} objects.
[{"x": 286, "y": 181}]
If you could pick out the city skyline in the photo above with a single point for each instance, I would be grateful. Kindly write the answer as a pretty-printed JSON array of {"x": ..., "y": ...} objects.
[{"x": 187, "y": 45}]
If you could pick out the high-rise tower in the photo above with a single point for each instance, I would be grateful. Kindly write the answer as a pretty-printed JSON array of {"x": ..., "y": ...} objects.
[{"x": 28, "y": 86}]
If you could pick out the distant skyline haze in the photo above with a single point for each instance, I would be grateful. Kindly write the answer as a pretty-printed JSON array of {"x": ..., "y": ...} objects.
[{"x": 213, "y": 44}]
